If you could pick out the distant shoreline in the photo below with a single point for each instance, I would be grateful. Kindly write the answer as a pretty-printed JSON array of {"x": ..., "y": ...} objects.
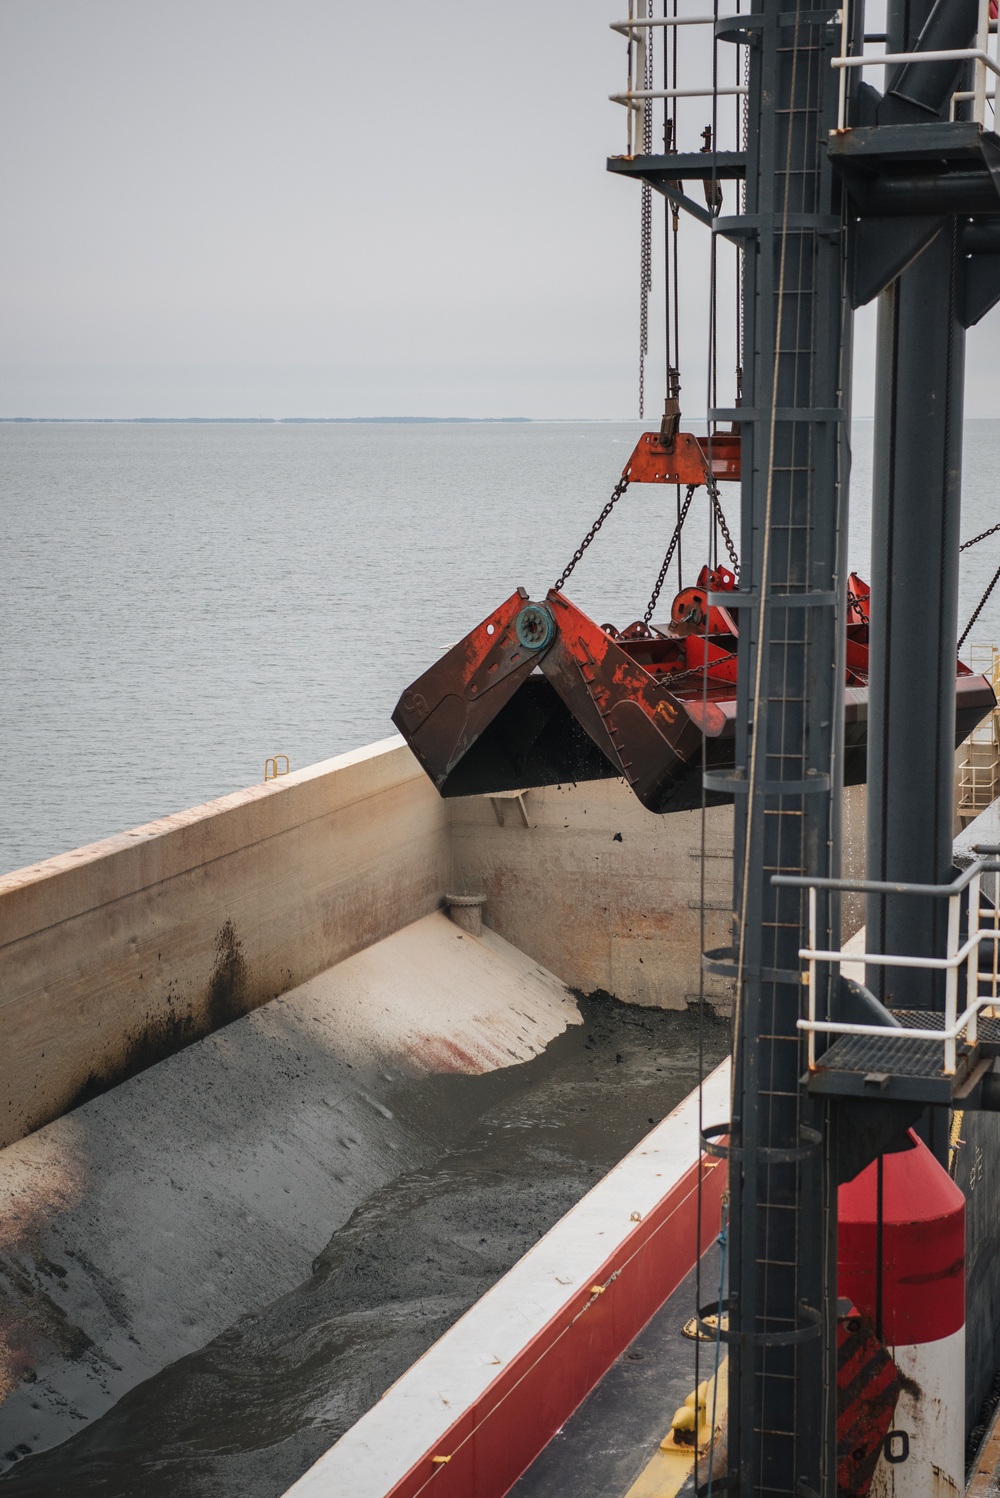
[{"x": 256, "y": 420}]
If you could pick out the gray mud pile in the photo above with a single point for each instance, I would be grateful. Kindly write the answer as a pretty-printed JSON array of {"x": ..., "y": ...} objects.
[{"x": 245, "y": 1415}]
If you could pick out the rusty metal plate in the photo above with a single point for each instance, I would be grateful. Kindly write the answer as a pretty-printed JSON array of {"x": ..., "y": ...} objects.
[
  {"x": 447, "y": 708},
  {"x": 631, "y": 717},
  {"x": 683, "y": 460}
]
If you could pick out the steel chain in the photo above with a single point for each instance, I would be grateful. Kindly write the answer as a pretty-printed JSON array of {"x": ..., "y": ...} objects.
[
  {"x": 713, "y": 494},
  {"x": 981, "y": 537},
  {"x": 646, "y": 227},
  {"x": 853, "y": 598},
  {"x": 616, "y": 495},
  {"x": 979, "y": 608},
  {"x": 720, "y": 660},
  {"x": 670, "y": 553},
  {"x": 973, "y": 541}
]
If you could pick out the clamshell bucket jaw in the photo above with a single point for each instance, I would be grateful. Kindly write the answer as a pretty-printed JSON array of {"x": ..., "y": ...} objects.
[
  {"x": 644, "y": 730},
  {"x": 448, "y": 708},
  {"x": 538, "y": 694},
  {"x": 483, "y": 719}
]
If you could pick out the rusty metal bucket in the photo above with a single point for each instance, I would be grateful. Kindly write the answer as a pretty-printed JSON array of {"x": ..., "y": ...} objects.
[{"x": 538, "y": 694}]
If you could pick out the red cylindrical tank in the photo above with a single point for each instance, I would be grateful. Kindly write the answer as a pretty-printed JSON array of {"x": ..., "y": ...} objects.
[{"x": 922, "y": 1309}]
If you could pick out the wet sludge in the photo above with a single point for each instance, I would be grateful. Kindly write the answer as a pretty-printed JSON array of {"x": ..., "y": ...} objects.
[{"x": 245, "y": 1415}]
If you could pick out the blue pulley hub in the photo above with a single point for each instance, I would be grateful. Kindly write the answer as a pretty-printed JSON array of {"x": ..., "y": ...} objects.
[{"x": 535, "y": 626}]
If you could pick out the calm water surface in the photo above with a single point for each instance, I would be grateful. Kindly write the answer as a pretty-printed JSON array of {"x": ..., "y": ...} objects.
[{"x": 181, "y": 602}]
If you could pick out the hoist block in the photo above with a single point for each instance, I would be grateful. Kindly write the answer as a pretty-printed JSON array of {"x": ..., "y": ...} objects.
[
  {"x": 683, "y": 459},
  {"x": 691, "y": 607}
]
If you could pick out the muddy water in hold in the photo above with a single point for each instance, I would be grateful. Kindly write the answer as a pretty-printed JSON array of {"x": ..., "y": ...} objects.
[{"x": 245, "y": 1415}]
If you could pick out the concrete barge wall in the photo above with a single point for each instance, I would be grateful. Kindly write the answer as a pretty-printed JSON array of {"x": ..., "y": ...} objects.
[{"x": 118, "y": 954}]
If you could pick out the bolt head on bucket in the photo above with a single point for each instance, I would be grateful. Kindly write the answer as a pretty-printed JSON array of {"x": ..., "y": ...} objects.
[{"x": 535, "y": 626}]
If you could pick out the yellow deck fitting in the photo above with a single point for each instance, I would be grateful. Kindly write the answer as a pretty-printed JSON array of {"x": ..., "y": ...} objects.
[
  {"x": 671, "y": 1466},
  {"x": 692, "y": 1330}
]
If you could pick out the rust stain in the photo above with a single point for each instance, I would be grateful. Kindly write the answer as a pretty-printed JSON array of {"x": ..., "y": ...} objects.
[
  {"x": 42, "y": 1178},
  {"x": 439, "y": 1054}
]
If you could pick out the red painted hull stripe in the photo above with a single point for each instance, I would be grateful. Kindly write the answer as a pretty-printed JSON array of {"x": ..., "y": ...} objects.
[{"x": 499, "y": 1436}]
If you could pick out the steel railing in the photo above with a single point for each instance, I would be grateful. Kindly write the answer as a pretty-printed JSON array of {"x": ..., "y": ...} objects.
[
  {"x": 958, "y": 954},
  {"x": 636, "y": 97},
  {"x": 979, "y": 54}
]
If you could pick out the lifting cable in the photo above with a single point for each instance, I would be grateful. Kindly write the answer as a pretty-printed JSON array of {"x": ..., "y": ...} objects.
[
  {"x": 671, "y": 246},
  {"x": 981, "y": 537},
  {"x": 727, "y": 536}
]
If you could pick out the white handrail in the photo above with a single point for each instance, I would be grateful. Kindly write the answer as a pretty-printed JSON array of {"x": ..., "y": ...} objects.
[
  {"x": 956, "y": 54},
  {"x": 640, "y": 94},
  {"x": 955, "y": 1025},
  {"x": 882, "y": 959},
  {"x": 978, "y": 54},
  {"x": 897, "y": 1032},
  {"x": 637, "y": 22}
]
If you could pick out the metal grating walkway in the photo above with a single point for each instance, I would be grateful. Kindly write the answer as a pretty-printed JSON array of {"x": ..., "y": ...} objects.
[{"x": 900, "y": 1067}]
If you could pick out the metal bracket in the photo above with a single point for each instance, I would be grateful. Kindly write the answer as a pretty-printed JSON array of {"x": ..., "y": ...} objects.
[
  {"x": 880, "y": 248},
  {"x": 500, "y": 796}
]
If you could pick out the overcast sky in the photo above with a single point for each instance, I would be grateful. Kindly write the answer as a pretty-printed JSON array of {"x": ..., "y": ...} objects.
[{"x": 329, "y": 208}]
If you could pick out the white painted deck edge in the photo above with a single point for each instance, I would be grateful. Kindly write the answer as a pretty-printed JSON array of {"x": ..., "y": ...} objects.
[{"x": 371, "y": 1457}]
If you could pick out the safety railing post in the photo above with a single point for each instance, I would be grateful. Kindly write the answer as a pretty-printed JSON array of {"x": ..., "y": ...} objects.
[
  {"x": 995, "y": 964},
  {"x": 844, "y": 33},
  {"x": 972, "y": 971},
  {"x": 982, "y": 44},
  {"x": 636, "y": 76},
  {"x": 951, "y": 984},
  {"x": 812, "y": 976}
]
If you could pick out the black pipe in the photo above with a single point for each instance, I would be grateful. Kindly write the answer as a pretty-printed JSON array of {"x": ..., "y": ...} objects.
[
  {"x": 928, "y": 86},
  {"x": 916, "y": 498},
  {"x": 982, "y": 238},
  {"x": 966, "y": 191}
]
